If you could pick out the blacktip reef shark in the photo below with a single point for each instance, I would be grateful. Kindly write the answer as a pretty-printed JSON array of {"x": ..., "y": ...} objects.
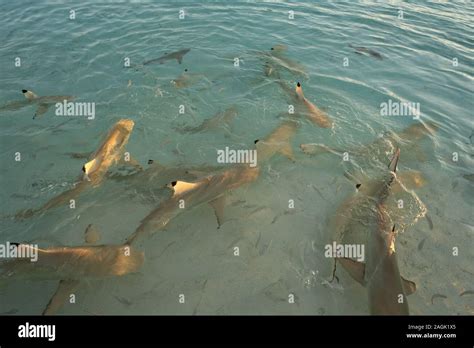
[
  {"x": 380, "y": 274},
  {"x": 219, "y": 120},
  {"x": 149, "y": 185},
  {"x": 187, "y": 79},
  {"x": 366, "y": 51},
  {"x": 109, "y": 153},
  {"x": 71, "y": 265},
  {"x": 209, "y": 189},
  {"x": 275, "y": 60},
  {"x": 407, "y": 140},
  {"x": 178, "y": 55},
  {"x": 278, "y": 141},
  {"x": 31, "y": 98},
  {"x": 305, "y": 107}
]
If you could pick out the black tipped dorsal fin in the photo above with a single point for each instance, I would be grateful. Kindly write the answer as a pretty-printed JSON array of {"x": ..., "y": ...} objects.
[
  {"x": 29, "y": 94},
  {"x": 180, "y": 187}
]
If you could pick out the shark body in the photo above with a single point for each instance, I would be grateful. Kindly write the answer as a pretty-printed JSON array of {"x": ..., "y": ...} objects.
[
  {"x": 380, "y": 274},
  {"x": 43, "y": 103},
  {"x": 178, "y": 55},
  {"x": 108, "y": 154}
]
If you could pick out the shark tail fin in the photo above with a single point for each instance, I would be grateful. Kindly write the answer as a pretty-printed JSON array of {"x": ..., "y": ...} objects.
[
  {"x": 29, "y": 94},
  {"x": 394, "y": 162}
]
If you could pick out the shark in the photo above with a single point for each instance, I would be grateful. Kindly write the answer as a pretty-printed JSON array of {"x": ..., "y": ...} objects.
[
  {"x": 43, "y": 103},
  {"x": 278, "y": 141},
  {"x": 178, "y": 55},
  {"x": 149, "y": 185},
  {"x": 386, "y": 288},
  {"x": 219, "y": 120},
  {"x": 187, "y": 79},
  {"x": 366, "y": 51},
  {"x": 407, "y": 140},
  {"x": 109, "y": 153},
  {"x": 210, "y": 189},
  {"x": 275, "y": 60},
  {"x": 305, "y": 107},
  {"x": 71, "y": 265}
]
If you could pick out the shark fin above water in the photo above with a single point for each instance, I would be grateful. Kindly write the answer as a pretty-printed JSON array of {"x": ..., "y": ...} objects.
[
  {"x": 29, "y": 94},
  {"x": 218, "y": 205},
  {"x": 181, "y": 187}
]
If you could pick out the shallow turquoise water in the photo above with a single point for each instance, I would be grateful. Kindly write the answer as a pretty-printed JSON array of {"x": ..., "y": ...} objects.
[{"x": 84, "y": 57}]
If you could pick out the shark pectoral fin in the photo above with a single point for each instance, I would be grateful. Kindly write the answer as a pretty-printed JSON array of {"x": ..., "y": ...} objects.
[
  {"x": 315, "y": 149},
  {"x": 218, "y": 205},
  {"x": 91, "y": 235},
  {"x": 179, "y": 59},
  {"x": 41, "y": 110},
  {"x": 131, "y": 162},
  {"x": 420, "y": 155},
  {"x": 408, "y": 286},
  {"x": 205, "y": 170},
  {"x": 287, "y": 151},
  {"x": 60, "y": 296},
  {"x": 411, "y": 179},
  {"x": 355, "y": 269},
  {"x": 80, "y": 154}
]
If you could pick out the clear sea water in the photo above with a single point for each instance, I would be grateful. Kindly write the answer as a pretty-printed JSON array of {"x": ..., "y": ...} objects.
[{"x": 84, "y": 57}]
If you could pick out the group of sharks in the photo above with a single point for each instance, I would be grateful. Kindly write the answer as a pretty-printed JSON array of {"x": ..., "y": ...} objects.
[{"x": 198, "y": 185}]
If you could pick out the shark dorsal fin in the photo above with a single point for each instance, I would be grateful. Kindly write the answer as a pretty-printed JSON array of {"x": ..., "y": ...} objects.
[
  {"x": 29, "y": 94},
  {"x": 180, "y": 187},
  {"x": 90, "y": 166},
  {"x": 299, "y": 91}
]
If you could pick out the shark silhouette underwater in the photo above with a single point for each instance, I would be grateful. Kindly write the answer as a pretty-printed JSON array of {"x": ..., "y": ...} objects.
[
  {"x": 71, "y": 265},
  {"x": 43, "y": 103},
  {"x": 109, "y": 153},
  {"x": 367, "y": 210}
]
